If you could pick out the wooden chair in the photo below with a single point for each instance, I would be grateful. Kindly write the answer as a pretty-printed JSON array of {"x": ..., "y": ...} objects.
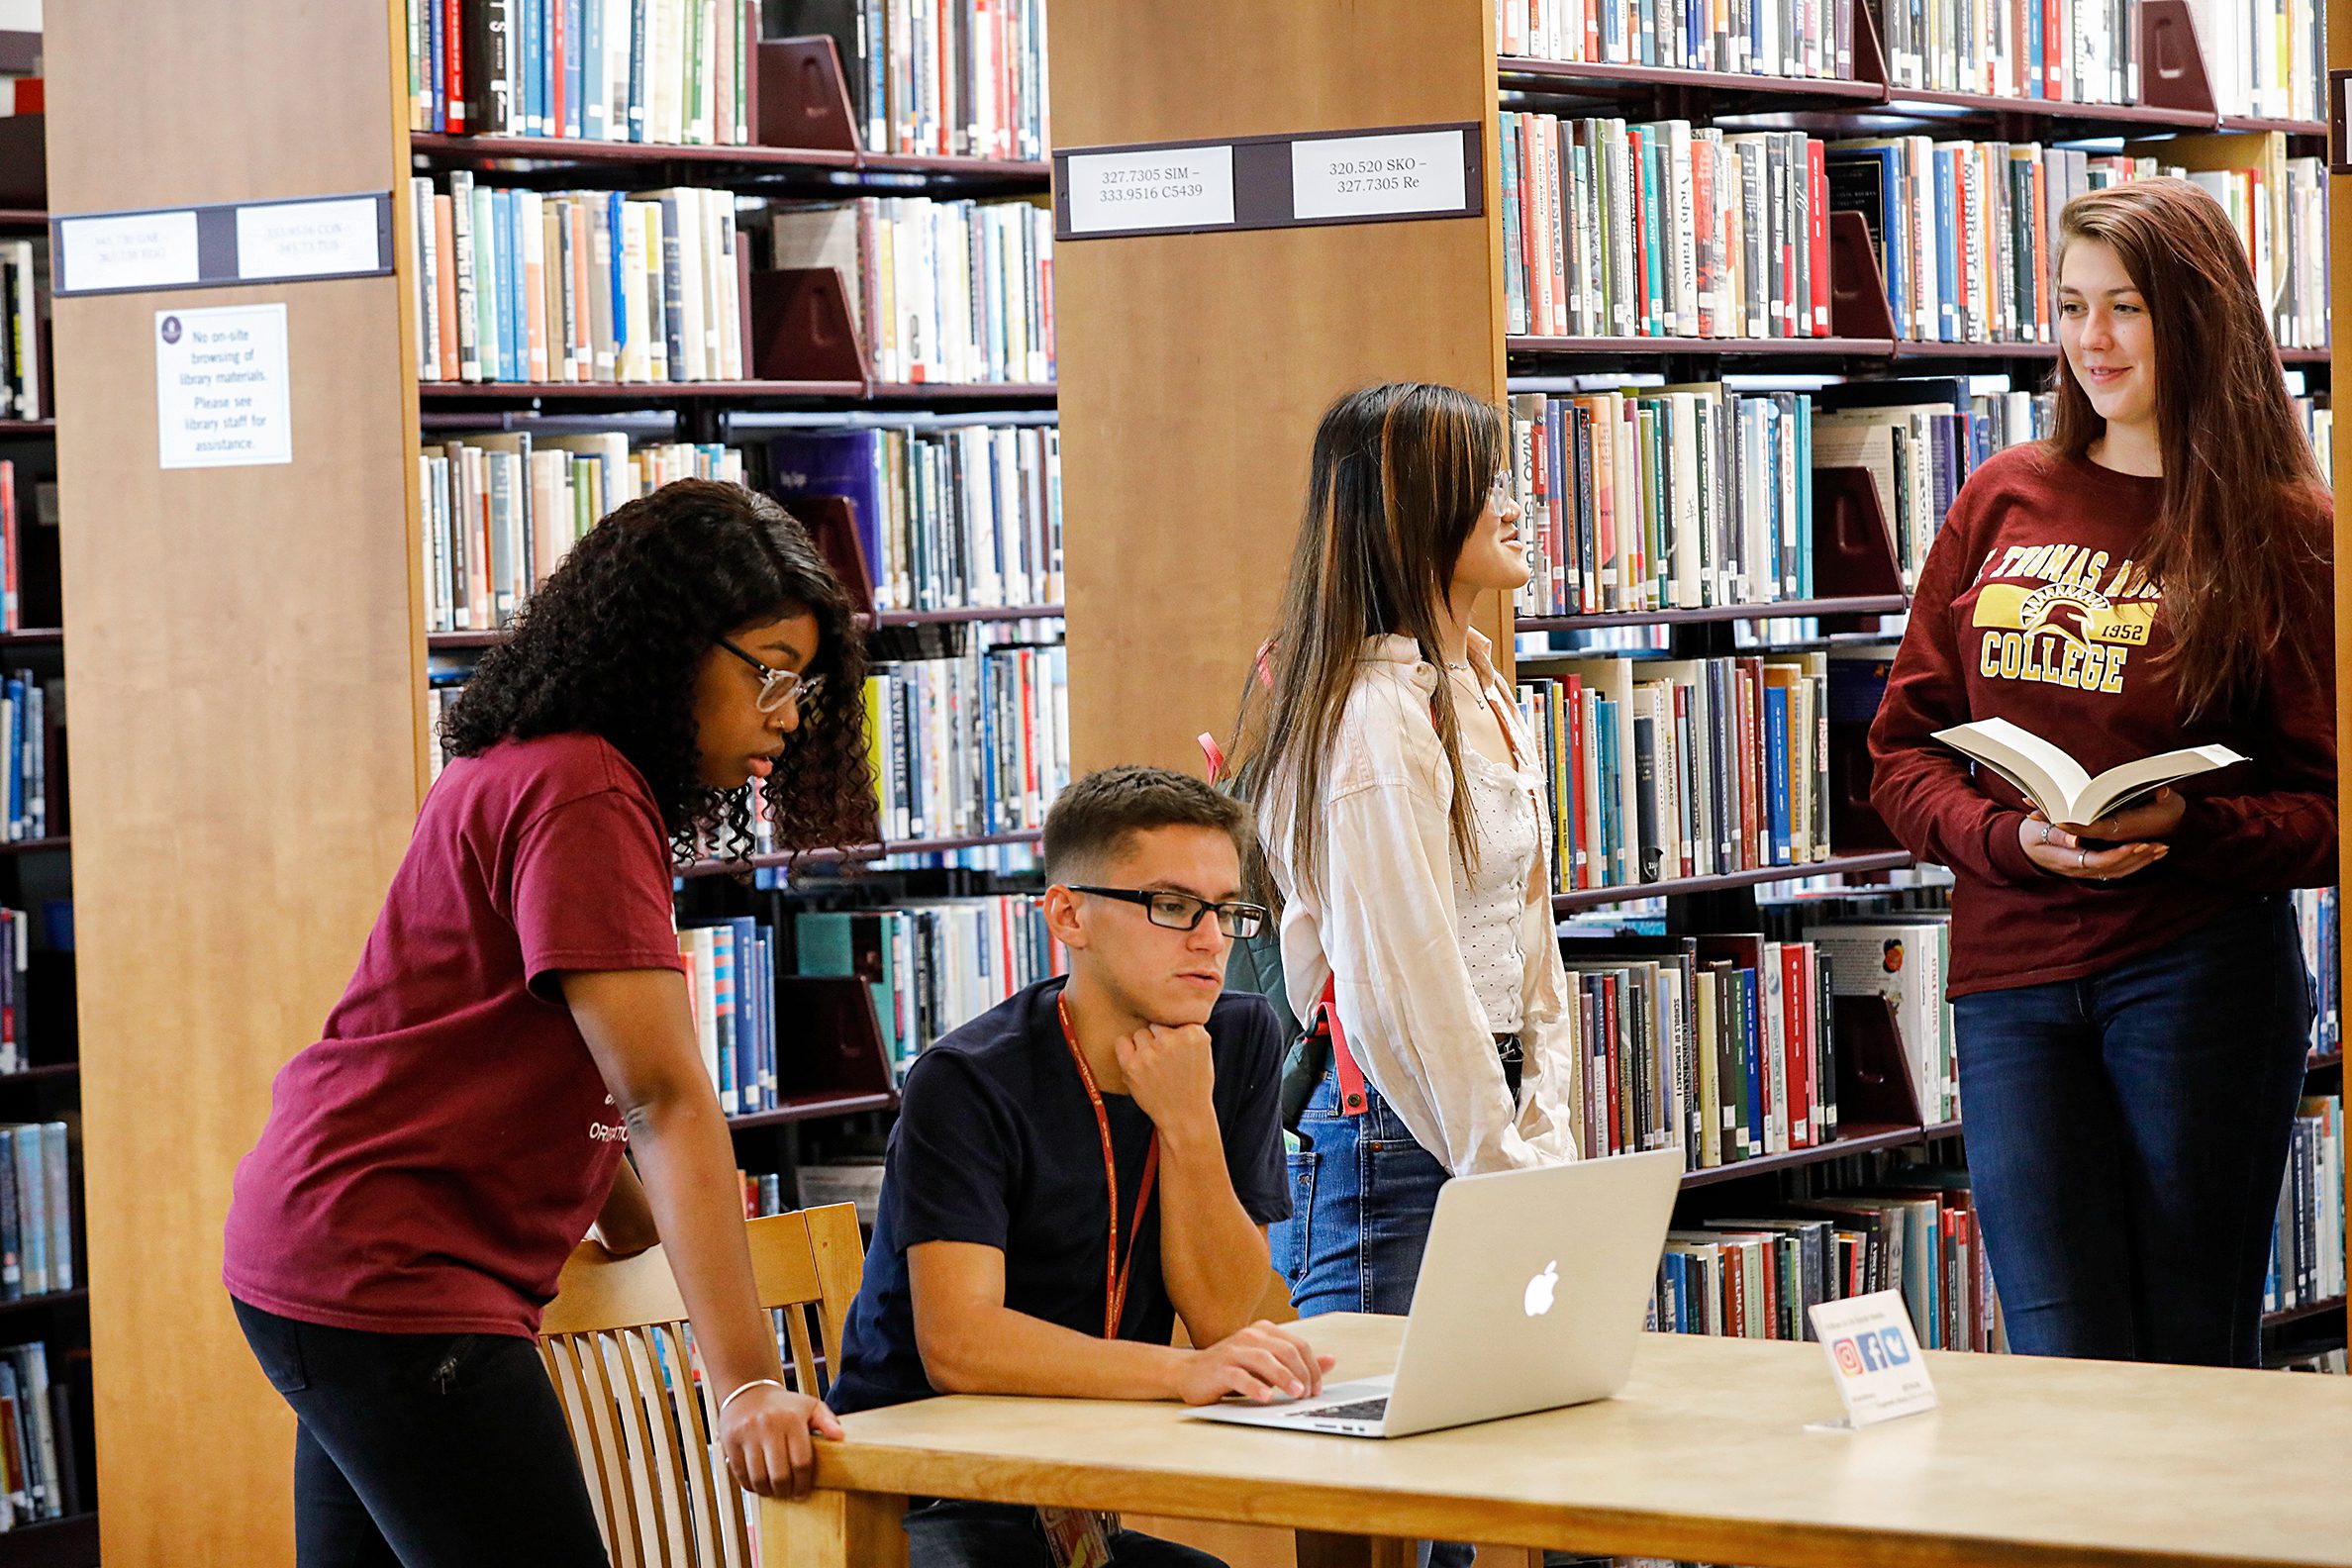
[{"x": 645, "y": 1426}]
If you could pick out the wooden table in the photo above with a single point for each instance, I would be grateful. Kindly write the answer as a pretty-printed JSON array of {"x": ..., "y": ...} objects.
[{"x": 1704, "y": 1456}]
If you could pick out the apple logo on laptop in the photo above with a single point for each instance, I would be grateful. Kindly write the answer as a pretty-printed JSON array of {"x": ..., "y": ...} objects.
[{"x": 1540, "y": 1288}]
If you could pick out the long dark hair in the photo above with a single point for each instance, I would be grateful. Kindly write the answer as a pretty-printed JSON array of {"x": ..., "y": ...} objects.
[
  {"x": 2241, "y": 543},
  {"x": 1398, "y": 477},
  {"x": 611, "y": 642}
]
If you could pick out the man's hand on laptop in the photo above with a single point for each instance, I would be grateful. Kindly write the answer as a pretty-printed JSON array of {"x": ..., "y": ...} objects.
[
  {"x": 1171, "y": 1073},
  {"x": 1262, "y": 1364}
]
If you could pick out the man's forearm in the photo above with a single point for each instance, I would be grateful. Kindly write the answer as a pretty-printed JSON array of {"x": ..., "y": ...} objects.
[
  {"x": 1212, "y": 1254},
  {"x": 997, "y": 1350}
]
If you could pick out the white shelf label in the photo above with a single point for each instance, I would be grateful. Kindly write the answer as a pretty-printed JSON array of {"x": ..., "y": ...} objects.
[
  {"x": 220, "y": 387},
  {"x": 129, "y": 250},
  {"x": 308, "y": 238},
  {"x": 1170, "y": 188},
  {"x": 1376, "y": 177}
]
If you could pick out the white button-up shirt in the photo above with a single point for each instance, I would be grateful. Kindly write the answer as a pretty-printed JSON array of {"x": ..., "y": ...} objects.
[{"x": 1383, "y": 921}]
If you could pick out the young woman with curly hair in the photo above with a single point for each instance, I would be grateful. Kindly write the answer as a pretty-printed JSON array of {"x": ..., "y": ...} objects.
[
  {"x": 2128, "y": 994},
  {"x": 518, "y": 1018}
]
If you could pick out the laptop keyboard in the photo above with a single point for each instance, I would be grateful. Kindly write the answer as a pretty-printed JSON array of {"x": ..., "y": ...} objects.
[{"x": 1370, "y": 1410}]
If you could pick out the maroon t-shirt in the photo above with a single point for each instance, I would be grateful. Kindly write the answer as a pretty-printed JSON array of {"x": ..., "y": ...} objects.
[
  {"x": 2033, "y": 608},
  {"x": 431, "y": 1162}
]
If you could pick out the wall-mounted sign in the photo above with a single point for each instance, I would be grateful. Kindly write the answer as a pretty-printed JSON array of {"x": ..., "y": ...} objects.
[
  {"x": 1387, "y": 174},
  {"x": 273, "y": 241}
]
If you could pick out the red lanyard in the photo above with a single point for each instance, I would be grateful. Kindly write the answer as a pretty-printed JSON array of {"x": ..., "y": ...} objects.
[{"x": 1116, "y": 1269}]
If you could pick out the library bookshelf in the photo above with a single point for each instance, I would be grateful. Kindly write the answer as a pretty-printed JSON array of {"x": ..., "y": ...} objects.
[
  {"x": 229, "y": 852},
  {"x": 1213, "y": 356},
  {"x": 294, "y": 597}
]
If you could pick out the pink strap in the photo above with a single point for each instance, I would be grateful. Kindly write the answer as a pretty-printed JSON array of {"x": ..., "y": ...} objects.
[{"x": 1344, "y": 1062}]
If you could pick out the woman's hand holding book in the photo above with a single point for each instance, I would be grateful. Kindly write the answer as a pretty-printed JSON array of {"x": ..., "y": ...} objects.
[{"x": 2128, "y": 840}]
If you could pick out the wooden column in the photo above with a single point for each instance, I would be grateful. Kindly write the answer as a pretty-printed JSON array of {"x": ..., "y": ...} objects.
[
  {"x": 245, "y": 712},
  {"x": 1193, "y": 367}
]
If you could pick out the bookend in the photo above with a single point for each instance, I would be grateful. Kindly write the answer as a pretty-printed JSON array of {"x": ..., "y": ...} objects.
[
  {"x": 801, "y": 326},
  {"x": 1853, "y": 549},
  {"x": 841, "y": 1040},
  {"x": 2172, "y": 66},
  {"x": 1874, "y": 1081},
  {"x": 1870, "y": 56},
  {"x": 1855, "y": 826},
  {"x": 832, "y": 522},
  {"x": 803, "y": 99},
  {"x": 1858, "y": 305}
]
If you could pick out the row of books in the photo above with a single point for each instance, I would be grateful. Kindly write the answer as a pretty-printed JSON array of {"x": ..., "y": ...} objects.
[
  {"x": 1684, "y": 496},
  {"x": 1612, "y": 229},
  {"x": 37, "y": 1250},
  {"x": 2264, "y": 57},
  {"x": 1755, "y": 1278},
  {"x": 1965, "y": 232},
  {"x": 16, "y": 967},
  {"x": 575, "y": 286},
  {"x": 952, "y": 291},
  {"x": 939, "y": 78},
  {"x": 947, "y": 517},
  {"x": 1719, "y": 1045},
  {"x": 2278, "y": 207},
  {"x": 674, "y": 71},
  {"x": 2308, "y": 1238},
  {"x": 974, "y": 744},
  {"x": 1765, "y": 38},
  {"x": 32, "y": 715},
  {"x": 24, "y": 314},
  {"x": 1671, "y": 497},
  {"x": 2066, "y": 50},
  {"x": 2318, "y": 921},
  {"x": 730, "y": 973},
  {"x": 501, "y": 510},
  {"x": 1903, "y": 957},
  {"x": 2261, "y": 58},
  {"x": 1659, "y": 769},
  {"x": 934, "y": 964},
  {"x": 40, "y": 1458}
]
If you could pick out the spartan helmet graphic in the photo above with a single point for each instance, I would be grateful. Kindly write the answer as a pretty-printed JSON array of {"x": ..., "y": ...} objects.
[{"x": 2068, "y": 609}]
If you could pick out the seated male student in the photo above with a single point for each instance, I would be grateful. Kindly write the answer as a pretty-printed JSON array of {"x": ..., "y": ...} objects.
[{"x": 991, "y": 1269}]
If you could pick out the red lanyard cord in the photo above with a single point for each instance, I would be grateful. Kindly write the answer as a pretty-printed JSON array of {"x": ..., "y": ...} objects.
[{"x": 1116, "y": 1269}]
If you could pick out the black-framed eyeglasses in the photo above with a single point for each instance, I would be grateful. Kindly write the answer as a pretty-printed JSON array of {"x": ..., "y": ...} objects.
[
  {"x": 1182, "y": 912},
  {"x": 777, "y": 686}
]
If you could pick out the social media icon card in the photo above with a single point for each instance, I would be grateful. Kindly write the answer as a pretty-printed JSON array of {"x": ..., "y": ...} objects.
[{"x": 1874, "y": 1360}]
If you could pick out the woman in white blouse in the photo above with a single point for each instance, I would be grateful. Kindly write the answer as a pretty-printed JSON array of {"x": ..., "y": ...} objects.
[{"x": 1397, "y": 800}]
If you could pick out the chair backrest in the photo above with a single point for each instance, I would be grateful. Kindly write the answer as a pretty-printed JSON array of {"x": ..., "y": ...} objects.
[{"x": 643, "y": 1419}]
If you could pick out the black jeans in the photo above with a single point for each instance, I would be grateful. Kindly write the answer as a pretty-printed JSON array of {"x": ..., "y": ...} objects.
[
  {"x": 425, "y": 1450},
  {"x": 952, "y": 1534},
  {"x": 2127, "y": 1134}
]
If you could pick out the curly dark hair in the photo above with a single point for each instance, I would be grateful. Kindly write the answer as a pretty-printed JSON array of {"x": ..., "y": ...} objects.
[{"x": 611, "y": 644}]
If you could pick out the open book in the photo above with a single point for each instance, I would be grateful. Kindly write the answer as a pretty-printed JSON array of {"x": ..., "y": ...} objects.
[{"x": 2056, "y": 783}]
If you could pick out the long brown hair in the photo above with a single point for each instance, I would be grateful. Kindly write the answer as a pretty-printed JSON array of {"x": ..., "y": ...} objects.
[
  {"x": 2240, "y": 542},
  {"x": 1398, "y": 477}
]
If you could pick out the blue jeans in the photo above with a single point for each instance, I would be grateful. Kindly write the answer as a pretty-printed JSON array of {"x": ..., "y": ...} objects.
[
  {"x": 1361, "y": 1195},
  {"x": 953, "y": 1534},
  {"x": 2127, "y": 1134}
]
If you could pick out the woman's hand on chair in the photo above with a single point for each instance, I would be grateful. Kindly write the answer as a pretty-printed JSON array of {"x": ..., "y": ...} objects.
[{"x": 765, "y": 1437}]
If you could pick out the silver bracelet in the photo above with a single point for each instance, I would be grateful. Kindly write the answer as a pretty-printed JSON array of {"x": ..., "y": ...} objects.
[{"x": 745, "y": 1389}]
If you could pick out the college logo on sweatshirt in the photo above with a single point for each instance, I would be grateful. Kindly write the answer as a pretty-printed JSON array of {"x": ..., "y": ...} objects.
[{"x": 2061, "y": 615}]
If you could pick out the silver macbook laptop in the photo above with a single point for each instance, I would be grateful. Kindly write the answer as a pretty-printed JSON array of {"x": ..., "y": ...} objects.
[{"x": 1530, "y": 1297}]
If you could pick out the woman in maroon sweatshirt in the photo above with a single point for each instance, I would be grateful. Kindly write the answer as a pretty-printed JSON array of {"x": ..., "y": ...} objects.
[{"x": 2130, "y": 993}]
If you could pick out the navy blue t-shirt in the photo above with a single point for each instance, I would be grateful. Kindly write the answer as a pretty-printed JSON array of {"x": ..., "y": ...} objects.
[{"x": 997, "y": 1144}]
